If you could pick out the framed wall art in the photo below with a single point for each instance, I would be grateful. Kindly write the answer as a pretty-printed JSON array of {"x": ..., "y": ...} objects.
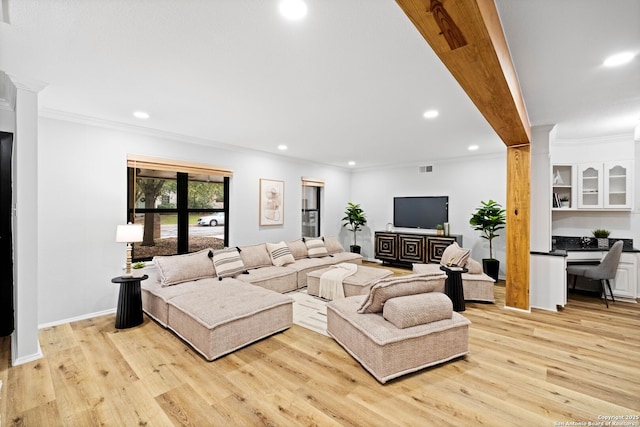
[{"x": 271, "y": 202}]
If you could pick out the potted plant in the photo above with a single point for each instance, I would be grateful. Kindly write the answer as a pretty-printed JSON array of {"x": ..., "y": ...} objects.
[
  {"x": 439, "y": 229},
  {"x": 603, "y": 237},
  {"x": 354, "y": 219},
  {"x": 488, "y": 219},
  {"x": 564, "y": 202},
  {"x": 136, "y": 269}
]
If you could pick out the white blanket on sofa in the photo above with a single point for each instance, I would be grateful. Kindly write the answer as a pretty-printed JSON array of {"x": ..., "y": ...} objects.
[{"x": 331, "y": 281}]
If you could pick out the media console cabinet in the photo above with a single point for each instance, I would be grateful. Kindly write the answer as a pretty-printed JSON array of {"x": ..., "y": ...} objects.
[{"x": 405, "y": 248}]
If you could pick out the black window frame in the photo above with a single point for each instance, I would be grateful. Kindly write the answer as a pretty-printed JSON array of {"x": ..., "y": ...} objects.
[{"x": 181, "y": 210}]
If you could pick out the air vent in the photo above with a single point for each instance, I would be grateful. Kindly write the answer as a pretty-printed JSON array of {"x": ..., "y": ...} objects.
[{"x": 425, "y": 169}]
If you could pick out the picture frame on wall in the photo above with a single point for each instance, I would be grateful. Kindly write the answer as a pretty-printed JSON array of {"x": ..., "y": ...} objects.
[{"x": 271, "y": 202}]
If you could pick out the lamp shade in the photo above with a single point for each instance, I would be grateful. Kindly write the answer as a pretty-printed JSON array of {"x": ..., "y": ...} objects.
[{"x": 129, "y": 233}]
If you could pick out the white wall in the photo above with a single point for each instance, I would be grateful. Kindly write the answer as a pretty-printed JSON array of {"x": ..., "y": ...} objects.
[
  {"x": 82, "y": 197},
  {"x": 467, "y": 182}
]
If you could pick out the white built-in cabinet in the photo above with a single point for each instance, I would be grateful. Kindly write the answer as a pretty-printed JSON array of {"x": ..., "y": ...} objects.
[{"x": 599, "y": 186}]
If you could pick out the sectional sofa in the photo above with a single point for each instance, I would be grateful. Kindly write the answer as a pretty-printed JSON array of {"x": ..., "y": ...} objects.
[{"x": 219, "y": 301}]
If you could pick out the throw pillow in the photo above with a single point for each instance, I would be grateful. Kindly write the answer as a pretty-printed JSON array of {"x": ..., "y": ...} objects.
[
  {"x": 454, "y": 254},
  {"x": 228, "y": 262},
  {"x": 420, "y": 309},
  {"x": 176, "y": 269},
  {"x": 474, "y": 266},
  {"x": 333, "y": 245},
  {"x": 255, "y": 256},
  {"x": 315, "y": 247},
  {"x": 280, "y": 254},
  {"x": 297, "y": 248},
  {"x": 392, "y": 287}
]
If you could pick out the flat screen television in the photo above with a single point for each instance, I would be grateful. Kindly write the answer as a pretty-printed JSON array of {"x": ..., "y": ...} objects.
[{"x": 420, "y": 212}]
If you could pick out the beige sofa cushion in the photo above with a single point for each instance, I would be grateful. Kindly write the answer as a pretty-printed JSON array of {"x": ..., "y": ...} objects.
[
  {"x": 280, "y": 254},
  {"x": 176, "y": 269},
  {"x": 228, "y": 262},
  {"x": 315, "y": 247},
  {"x": 474, "y": 266},
  {"x": 333, "y": 245},
  {"x": 255, "y": 256},
  {"x": 393, "y": 287},
  {"x": 454, "y": 254},
  {"x": 420, "y": 309},
  {"x": 298, "y": 249}
]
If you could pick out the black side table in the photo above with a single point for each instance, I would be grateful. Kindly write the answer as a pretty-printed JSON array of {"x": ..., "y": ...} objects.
[
  {"x": 453, "y": 286},
  {"x": 129, "y": 313}
]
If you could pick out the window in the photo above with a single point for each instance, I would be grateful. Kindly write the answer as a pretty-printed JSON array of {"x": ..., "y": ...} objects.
[
  {"x": 183, "y": 206},
  {"x": 311, "y": 189}
]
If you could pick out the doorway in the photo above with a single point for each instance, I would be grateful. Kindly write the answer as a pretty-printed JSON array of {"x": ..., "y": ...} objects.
[{"x": 6, "y": 240}]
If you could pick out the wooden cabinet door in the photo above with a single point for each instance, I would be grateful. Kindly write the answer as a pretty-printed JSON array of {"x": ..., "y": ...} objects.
[
  {"x": 387, "y": 246},
  {"x": 436, "y": 246},
  {"x": 412, "y": 248}
]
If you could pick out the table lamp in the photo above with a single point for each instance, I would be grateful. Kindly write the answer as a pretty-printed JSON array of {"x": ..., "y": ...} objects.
[{"x": 129, "y": 234}]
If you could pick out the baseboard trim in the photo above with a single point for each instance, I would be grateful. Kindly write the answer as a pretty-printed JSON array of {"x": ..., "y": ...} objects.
[{"x": 77, "y": 318}]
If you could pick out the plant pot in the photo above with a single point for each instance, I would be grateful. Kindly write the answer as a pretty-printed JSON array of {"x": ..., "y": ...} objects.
[
  {"x": 137, "y": 272},
  {"x": 491, "y": 267},
  {"x": 355, "y": 249},
  {"x": 603, "y": 242}
]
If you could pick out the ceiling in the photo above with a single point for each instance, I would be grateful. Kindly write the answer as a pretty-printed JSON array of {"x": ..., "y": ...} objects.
[{"x": 349, "y": 82}]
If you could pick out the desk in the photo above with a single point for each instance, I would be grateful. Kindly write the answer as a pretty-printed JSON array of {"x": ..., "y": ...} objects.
[
  {"x": 129, "y": 312},
  {"x": 453, "y": 286}
]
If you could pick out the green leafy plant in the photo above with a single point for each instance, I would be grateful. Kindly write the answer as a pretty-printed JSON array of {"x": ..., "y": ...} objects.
[
  {"x": 439, "y": 227},
  {"x": 601, "y": 233},
  {"x": 137, "y": 265},
  {"x": 354, "y": 219},
  {"x": 488, "y": 219}
]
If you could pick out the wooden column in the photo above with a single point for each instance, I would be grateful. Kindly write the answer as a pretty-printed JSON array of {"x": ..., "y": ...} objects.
[
  {"x": 468, "y": 38},
  {"x": 517, "y": 230}
]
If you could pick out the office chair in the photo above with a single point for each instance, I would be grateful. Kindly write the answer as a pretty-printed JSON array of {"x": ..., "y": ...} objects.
[{"x": 603, "y": 272}]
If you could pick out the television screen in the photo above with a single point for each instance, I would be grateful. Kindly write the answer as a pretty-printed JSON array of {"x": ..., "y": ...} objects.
[{"x": 420, "y": 212}]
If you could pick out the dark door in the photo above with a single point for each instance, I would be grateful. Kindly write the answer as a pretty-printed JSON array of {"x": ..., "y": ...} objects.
[{"x": 6, "y": 247}]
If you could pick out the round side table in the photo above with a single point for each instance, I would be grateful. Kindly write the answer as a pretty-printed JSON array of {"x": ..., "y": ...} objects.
[
  {"x": 129, "y": 312},
  {"x": 453, "y": 286}
]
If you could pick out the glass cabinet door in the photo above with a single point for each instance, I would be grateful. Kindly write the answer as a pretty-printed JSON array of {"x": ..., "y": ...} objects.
[
  {"x": 590, "y": 186},
  {"x": 617, "y": 184}
]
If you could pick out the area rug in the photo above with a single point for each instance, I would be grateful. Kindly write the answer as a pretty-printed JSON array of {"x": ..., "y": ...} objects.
[{"x": 309, "y": 312}]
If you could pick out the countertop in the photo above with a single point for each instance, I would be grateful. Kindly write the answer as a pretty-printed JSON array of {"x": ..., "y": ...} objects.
[{"x": 563, "y": 244}]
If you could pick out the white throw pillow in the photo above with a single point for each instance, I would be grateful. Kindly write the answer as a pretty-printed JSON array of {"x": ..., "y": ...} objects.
[
  {"x": 455, "y": 255},
  {"x": 280, "y": 254},
  {"x": 315, "y": 247}
]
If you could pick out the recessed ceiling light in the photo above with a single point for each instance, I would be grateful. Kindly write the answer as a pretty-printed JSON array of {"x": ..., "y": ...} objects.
[
  {"x": 619, "y": 59},
  {"x": 472, "y": 147},
  {"x": 430, "y": 114},
  {"x": 293, "y": 9},
  {"x": 140, "y": 115},
  {"x": 282, "y": 147},
  {"x": 351, "y": 163}
]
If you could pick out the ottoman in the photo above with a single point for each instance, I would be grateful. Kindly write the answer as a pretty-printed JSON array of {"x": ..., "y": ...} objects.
[
  {"x": 356, "y": 284},
  {"x": 228, "y": 315}
]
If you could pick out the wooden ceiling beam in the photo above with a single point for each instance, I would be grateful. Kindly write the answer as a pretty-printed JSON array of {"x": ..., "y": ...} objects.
[{"x": 468, "y": 38}]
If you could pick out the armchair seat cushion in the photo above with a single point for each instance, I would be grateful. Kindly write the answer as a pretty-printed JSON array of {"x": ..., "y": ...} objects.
[{"x": 387, "y": 351}]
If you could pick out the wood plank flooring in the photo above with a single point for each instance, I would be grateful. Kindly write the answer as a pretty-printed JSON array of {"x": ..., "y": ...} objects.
[{"x": 522, "y": 370}]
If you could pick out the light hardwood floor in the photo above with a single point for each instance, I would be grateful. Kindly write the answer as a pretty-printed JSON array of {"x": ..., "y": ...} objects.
[{"x": 522, "y": 370}]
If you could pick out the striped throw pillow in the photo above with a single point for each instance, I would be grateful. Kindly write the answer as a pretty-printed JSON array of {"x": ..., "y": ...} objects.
[
  {"x": 228, "y": 262},
  {"x": 315, "y": 247},
  {"x": 280, "y": 254}
]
